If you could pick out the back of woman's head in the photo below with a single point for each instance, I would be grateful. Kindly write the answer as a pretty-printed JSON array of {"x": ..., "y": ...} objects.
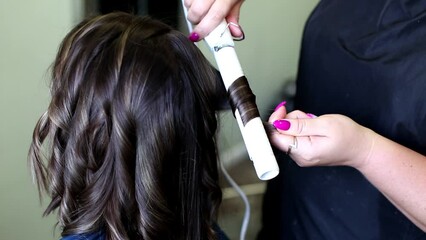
[{"x": 129, "y": 133}]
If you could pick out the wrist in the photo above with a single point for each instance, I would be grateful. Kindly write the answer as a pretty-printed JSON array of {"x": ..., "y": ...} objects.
[{"x": 363, "y": 158}]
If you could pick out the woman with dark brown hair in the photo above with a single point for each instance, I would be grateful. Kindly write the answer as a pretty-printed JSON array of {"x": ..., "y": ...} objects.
[{"x": 129, "y": 134}]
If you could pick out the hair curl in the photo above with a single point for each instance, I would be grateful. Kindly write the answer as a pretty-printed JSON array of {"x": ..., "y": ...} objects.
[{"x": 129, "y": 133}]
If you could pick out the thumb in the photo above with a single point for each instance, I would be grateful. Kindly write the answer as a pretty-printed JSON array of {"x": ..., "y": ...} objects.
[
  {"x": 234, "y": 17},
  {"x": 301, "y": 126}
]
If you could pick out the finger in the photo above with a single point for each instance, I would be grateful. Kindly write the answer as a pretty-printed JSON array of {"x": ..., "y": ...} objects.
[
  {"x": 234, "y": 17},
  {"x": 198, "y": 9},
  {"x": 281, "y": 141},
  {"x": 297, "y": 114},
  {"x": 212, "y": 19},
  {"x": 303, "y": 126},
  {"x": 300, "y": 149},
  {"x": 187, "y": 3},
  {"x": 279, "y": 113}
]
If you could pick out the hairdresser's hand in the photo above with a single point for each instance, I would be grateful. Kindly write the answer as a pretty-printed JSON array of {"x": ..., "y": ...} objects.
[
  {"x": 207, "y": 14},
  {"x": 328, "y": 140}
]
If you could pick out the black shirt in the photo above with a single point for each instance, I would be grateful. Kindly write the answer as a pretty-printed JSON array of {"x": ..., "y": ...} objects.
[{"x": 365, "y": 59}]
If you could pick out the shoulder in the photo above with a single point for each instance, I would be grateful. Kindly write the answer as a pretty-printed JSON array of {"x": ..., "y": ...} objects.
[
  {"x": 220, "y": 233},
  {"x": 85, "y": 236}
]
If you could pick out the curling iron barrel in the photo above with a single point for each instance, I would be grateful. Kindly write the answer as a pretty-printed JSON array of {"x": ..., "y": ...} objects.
[{"x": 252, "y": 130}]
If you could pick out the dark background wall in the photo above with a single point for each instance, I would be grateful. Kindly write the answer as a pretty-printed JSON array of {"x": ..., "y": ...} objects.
[{"x": 165, "y": 10}]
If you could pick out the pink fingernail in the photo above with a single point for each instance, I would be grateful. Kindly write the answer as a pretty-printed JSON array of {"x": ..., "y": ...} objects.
[
  {"x": 280, "y": 105},
  {"x": 194, "y": 37},
  {"x": 282, "y": 124},
  {"x": 311, "y": 115}
]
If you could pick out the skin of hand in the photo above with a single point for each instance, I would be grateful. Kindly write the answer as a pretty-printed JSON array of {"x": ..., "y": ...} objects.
[
  {"x": 207, "y": 14},
  {"x": 398, "y": 172},
  {"x": 328, "y": 140}
]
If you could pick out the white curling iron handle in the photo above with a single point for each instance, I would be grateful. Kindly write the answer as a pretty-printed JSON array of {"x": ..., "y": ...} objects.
[{"x": 257, "y": 143}]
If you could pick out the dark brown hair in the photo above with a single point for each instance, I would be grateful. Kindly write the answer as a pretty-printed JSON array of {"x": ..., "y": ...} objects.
[{"x": 127, "y": 143}]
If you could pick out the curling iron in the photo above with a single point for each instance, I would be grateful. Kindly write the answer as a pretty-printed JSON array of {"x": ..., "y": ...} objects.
[{"x": 252, "y": 130}]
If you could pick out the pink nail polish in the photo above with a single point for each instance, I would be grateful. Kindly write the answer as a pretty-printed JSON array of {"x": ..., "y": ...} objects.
[
  {"x": 311, "y": 115},
  {"x": 280, "y": 105},
  {"x": 194, "y": 37},
  {"x": 282, "y": 124}
]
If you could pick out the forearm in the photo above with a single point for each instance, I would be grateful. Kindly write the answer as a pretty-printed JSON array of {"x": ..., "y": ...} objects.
[{"x": 400, "y": 174}]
